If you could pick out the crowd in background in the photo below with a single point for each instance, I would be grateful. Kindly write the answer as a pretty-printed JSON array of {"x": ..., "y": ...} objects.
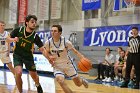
[{"x": 124, "y": 67}]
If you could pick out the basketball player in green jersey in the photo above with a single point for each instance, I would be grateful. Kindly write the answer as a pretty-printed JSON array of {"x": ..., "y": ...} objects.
[{"x": 25, "y": 37}]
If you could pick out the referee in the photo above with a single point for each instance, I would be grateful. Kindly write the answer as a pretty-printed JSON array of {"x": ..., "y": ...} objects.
[{"x": 133, "y": 58}]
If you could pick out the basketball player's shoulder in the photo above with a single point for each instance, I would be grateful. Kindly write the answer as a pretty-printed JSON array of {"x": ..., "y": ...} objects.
[
  {"x": 6, "y": 33},
  {"x": 64, "y": 39},
  {"x": 48, "y": 41}
]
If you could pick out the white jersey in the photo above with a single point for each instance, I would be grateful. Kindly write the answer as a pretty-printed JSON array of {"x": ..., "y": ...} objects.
[
  {"x": 3, "y": 44},
  {"x": 59, "y": 49},
  {"x": 63, "y": 63},
  {"x": 109, "y": 58}
]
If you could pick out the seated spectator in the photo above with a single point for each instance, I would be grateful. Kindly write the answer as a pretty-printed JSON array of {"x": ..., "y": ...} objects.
[
  {"x": 119, "y": 49},
  {"x": 119, "y": 65},
  {"x": 105, "y": 67}
]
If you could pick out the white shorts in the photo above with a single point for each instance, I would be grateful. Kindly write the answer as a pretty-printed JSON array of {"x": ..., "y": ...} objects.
[
  {"x": 5, "y": 58},
  {"x": 67, "y": 69}
]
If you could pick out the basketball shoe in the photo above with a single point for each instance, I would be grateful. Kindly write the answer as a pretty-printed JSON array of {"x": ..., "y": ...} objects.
[
  {"x": 84, "y": 82},
  {"x": 39, "y": 89}
]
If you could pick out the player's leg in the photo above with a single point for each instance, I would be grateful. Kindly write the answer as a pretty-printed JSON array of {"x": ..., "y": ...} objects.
[
  {"x": 80, "y": 80},
  {"x": 60, "y": 78},
  {"x": 132, "y": 74},
  {"x": 137, "y": 72},
  {"x": 18, "y": 74},
  {"x": 18, "y": 71},
  {"x": 11, "y": 68},
  {"x": 72, "y": 72},
  {"x": 6, "y": 60},
  {"x": 29, "y": 64},
  {"x": 35, "y": 77}
]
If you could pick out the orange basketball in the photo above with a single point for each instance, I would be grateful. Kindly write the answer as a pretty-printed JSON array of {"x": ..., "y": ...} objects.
[
  {"x": 84, "y": 65},
  {"x": 136, "y": 2}
]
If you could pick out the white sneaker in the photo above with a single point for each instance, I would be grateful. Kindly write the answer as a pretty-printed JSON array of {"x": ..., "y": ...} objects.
[
  {"x": 104, "y": 79},
  {"x": 84, "y": 82},
  {"x": 109, "y": 80},
  {"x": 116, "y": 78}
]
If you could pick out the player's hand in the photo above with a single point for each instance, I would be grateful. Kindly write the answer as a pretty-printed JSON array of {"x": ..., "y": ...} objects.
[
  {"x": 52, "y": 60},
  {"x": 16, "y": 39}
]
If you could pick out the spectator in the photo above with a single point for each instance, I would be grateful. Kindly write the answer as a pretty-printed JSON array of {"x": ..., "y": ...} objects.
[
  {"x": 119, "y": 65},
  {"x": 119, "y": 49},
  {"x": 105, "y": 67}
]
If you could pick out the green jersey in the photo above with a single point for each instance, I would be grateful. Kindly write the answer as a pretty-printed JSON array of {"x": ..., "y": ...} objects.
[{"x": 25, "y": 43}]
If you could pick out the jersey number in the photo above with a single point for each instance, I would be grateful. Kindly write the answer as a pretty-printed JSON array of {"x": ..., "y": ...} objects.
[
  {"x": 22, "y": 44},
  {"x": 2, "y": 42}
]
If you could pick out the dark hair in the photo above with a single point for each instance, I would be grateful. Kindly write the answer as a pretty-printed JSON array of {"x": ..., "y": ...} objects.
[
  {"x": 28, "y": 17},
  {"x": 123, "y": 51},
  {"x": 135, "y": 28},
  {"x": 59, "y": 27},
  {"x": 2, "y": 22},
  {"x": 120, "y": 48},
  {"x": 108, "y": 49}
]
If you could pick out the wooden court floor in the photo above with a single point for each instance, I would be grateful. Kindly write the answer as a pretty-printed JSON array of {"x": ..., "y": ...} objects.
[{"x": 7, "y": 85}]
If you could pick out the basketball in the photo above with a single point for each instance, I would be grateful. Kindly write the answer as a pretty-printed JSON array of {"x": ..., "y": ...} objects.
[
  {"x": 136, "y": 2},
  {"x": 84, "y": 65}
]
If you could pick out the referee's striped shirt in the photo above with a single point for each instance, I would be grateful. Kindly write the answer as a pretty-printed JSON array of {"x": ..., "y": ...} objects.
[{"x": 134, "y": 44}]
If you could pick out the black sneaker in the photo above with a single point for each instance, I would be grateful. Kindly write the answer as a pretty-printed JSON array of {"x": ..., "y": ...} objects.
[
  {"x": 124, "y": 84},
  {"x": 39, "y": 89},
  {"x": 97, "y": 78},
  {"x": 136, "y": 86}
]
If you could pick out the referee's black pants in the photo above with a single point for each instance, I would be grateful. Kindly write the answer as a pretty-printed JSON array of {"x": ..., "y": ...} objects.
[{"x": 133, "y": 59}]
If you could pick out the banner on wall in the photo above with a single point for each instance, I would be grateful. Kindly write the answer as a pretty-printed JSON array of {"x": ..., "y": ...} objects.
[
  {"x": 33, "y": 7},
  {"x": 108, "y": 35},
  {"x": 91, "y": 4},
  {"x": 43, "y": 9},
  {"x": 56, "y": 9},
  {"x": 12, "y": 12},
  {"x": 22, "y": 10},
  {"x": 118, "y": 4}
]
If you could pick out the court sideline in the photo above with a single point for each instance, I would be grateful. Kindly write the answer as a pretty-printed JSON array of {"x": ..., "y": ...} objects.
[{"x": 7, "y": 85}]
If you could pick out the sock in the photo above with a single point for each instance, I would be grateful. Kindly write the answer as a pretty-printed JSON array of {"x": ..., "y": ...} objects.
[{"x": 37, "y": 85}]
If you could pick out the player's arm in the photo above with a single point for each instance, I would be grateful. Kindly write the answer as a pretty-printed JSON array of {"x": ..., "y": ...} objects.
[
  {"x": 44, "y": 52},
  {"x": 8, "y": 49},
  {"x": 80, "y": 56},
  {"x": 13, "y": 36},
  {"x": 8, "y": 44},
  {"x": 69, "y": 46},
  {"x": 42, "y": 49},
  {"x": 51, "y": 57},
  {"x": 9, "y": 39}
]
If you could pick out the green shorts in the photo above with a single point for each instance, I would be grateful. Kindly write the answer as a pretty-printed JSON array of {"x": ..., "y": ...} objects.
[{"x": 27, "y": 61}]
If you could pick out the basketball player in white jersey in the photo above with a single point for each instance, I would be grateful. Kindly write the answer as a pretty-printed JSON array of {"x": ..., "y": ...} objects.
[
  {"x": 5, "y": 47},
  {"x": 58, "y": 48}
]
